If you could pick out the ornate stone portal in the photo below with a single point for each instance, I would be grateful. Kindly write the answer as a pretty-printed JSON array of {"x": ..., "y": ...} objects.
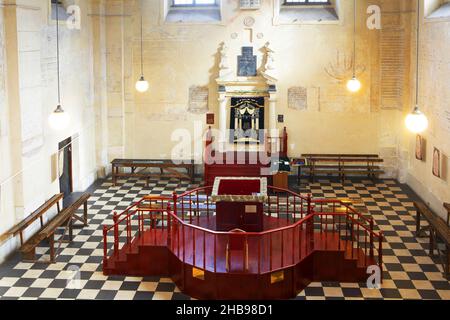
[{"x": 247, "y": 101}]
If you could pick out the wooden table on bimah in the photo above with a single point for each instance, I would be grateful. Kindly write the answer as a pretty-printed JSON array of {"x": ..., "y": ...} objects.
[
  {"x": 168, "y": 169},
  {"x": 239, "y": 203}
]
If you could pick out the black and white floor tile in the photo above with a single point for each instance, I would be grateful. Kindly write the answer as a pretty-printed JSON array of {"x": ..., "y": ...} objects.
[{"x": 410, "y": 273}]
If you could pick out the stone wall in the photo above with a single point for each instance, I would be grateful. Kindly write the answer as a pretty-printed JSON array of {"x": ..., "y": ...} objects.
[
  {"x": 434, "y": 100},
  {"x": 178, "y": 56},
  {"x": 28, "y": 144}
]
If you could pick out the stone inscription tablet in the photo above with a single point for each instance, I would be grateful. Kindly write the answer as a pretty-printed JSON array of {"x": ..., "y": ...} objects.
[
  {"x": 298, "y": 98},
  {"x": 247, "y": 63},
  {"x": 198, "y": 99}
]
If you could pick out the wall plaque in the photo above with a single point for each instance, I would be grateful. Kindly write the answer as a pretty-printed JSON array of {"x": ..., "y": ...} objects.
[
  {"x": 198, "y": 99},
  {"x": 210, "y": 118},
  {"x": 247, "y": 63},
  {"x": 298, "y": 98}
]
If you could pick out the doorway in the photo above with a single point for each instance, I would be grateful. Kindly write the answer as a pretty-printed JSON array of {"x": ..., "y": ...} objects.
[{"x": 65, "y": 167}]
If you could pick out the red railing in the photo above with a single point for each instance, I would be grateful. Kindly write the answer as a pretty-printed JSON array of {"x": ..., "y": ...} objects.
[
  {"x": 282, "y": 204},
  {"x": 130, "y": 225},
  {"x": 266, "y": 251},
  {"x": 180, "y": 228}
]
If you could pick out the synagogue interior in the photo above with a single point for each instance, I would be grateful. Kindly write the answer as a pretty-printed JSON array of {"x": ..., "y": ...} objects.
[{"x": 224, "y": 149}]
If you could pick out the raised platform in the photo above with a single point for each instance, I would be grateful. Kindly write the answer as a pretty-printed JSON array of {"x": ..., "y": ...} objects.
[{"x": 198, "y": 264}]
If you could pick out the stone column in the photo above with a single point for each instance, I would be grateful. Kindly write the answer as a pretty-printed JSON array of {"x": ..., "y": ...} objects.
[
  {"x": 222, "y": 117},
  {"x": 273, "y": 111}
]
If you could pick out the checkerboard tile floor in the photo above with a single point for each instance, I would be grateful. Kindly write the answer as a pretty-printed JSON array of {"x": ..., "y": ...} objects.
[{"x": 409, "y": 272}]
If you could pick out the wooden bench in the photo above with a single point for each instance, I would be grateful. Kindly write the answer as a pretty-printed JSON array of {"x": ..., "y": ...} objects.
[
  {"x": 437, "y": 229},
  {"x": 64, "y": 219},
  {"x": 340, "y": 164},
  {"x": 37, "y": 214},
  {"x": 447, "y": 206},
  {"x": 168, "y": 169}
]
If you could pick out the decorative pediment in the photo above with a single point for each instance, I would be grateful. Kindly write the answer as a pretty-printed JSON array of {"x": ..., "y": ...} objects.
[{"x": 247, "y": 79}]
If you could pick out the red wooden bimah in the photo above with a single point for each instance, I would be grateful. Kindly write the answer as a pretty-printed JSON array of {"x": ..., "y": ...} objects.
[
  {"x": 239, "y": 203},
  {"x": 300, "y": 240}
]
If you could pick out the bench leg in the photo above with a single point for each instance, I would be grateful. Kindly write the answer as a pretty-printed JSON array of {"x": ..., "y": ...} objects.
[
  {"x": 85, "y": 214},
  {"x": 431, "y": 242},
  {"x": 447, "y": 263},
  {"x": 70, "y": 230},
  {"x": 29, "y": 256},
  {"x": 417, "y": 223},
  {"x": 52, "y": 248}
]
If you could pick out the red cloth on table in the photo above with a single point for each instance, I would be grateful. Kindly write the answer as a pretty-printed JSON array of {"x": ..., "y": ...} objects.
[{"x": 239, "y": 187}]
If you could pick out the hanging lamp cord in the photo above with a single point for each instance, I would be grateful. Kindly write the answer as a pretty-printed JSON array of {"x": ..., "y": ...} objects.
[
  {"x": 354, "y": 40},
  {"x": 417, "y": 52},
  {"x": 57, "y": 51},
  {"x": 142, "y": 46}
]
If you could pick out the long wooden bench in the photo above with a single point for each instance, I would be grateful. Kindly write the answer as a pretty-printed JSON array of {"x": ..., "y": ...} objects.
[
  {"x": 37, "y": 214},
  {"x": 447, "y": 206},
  {"x": 437, "y": 228},
  {"x": 341, "y": 164},
  {"x": 64, "y": 219},
  {"x": 168, "y": 169}
]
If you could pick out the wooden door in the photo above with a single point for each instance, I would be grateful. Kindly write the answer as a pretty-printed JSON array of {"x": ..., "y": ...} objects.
[{"x": 65, "y": 160}]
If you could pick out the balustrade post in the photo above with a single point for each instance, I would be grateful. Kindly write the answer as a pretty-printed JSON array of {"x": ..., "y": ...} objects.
[
  {"x": 309, "y": 204},
  {"x": 105, "y": 247},
  {"x": 310, "y": 224},
  {"x": 175, "y": 200},
  {"x": 169, "y": 224},
  {"x": 116, "y": 233},
  {"x": 380, "y": 255},
  {"x": 371, "y": 238}
]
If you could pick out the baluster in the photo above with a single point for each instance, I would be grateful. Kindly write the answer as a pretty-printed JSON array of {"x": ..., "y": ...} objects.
[
  {"x": 300, "y": 231},
  {"x": 207, "y": 206},
  {"x": 182, "y": 208},
  {"x": 295, "y": 212},
  {"x": 244, "y": 254},
  {"x": 190, "y": 208},
  {"x": 178, "y": 239},
  {"x": 321, "y": 222},
  {"x": 105, "y": 247},
  {"x": 293, "y": 245},
  {"x": 197, "y": 213},
  {"x": 380, "y": 255},
  {"x": 365, "y": 247},
  {"x": 193, "y": 246},
  {"x": 270, "y": 252},
  {"x": 128, "y": 229},
  {"x": 371, "y": 238},
  {"x": 259, "y": 254},
  {"x": 215, "y": 253},
  {"x": 268, "y": 200},
  {"x": 278, "y": 206},
  {"x": 184, "y": 243},
  {"x": 301, "y": 209},
  {"x": 282, "y": 248},
  {"x": 204, "y": 250},
  {"x": 352, "y": 236},
  {"x": 339, "y": 231},
  {"x": 288, "y": 209},
  {"x": 357, "y": 239},
  {"x": 116, "y": 234}
]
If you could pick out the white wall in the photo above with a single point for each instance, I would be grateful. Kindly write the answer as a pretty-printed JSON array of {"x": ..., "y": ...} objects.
[
  {"x": 434, "y": 99},
  {"x": 27, "y": 141},
  {"x": 180, "y": 55}
]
